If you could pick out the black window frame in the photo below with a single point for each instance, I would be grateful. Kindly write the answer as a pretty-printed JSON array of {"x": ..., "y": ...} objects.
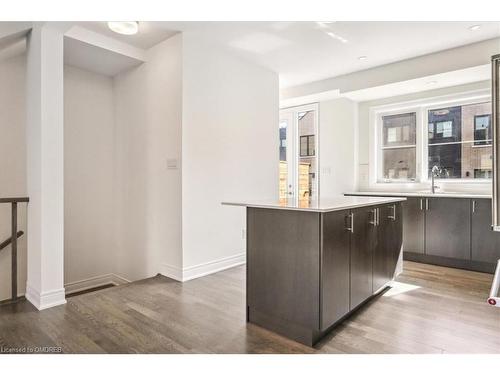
[
  {"x": 483, "y": 142},
  {"x": 310, "y": 149}
]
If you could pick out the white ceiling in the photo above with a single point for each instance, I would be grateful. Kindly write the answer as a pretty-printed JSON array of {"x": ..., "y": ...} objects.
[
  {"x": 303, "y": 52},
  {"x": 96, "y": 59},
  {"x": 300, "y": 52}
]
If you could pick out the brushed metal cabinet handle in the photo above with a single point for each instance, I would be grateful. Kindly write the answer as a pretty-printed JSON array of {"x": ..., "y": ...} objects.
[
  {"x": 374, "y": 217},
  {"x": 393, "y": 216},
  {"x": 350, "y": 217}
]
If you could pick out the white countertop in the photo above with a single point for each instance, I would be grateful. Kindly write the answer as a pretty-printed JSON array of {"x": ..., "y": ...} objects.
[
  {"x": 322, "y": 205},
  {"x": 420, "y": 194}
]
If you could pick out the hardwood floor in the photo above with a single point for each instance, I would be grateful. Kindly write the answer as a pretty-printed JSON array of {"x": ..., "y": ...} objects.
[{"x": 430, "y": 310}]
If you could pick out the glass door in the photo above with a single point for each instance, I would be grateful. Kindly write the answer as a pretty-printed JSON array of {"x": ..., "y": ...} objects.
[{"x": 298, "y": 129}]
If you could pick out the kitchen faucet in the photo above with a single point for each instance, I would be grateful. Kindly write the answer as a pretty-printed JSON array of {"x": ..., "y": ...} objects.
[{"x": 435, "y": 171}]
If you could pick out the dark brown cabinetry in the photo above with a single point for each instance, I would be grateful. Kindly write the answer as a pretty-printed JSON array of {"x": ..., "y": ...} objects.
[
  {"x": 335, "y": 272},
  {"x": 414, "y": 225},
  {"x": 306, "y": 271},
  {"x": 447, "y": 227},
  {"x": 363, "y": 243},
  {"x": 485, "y": 243},
  {"x": 388, "y": 246},
  {"x": 452, "y": 232}
]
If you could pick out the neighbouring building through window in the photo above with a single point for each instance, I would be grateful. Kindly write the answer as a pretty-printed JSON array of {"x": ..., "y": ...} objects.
[{"x": 458, "y": 139}]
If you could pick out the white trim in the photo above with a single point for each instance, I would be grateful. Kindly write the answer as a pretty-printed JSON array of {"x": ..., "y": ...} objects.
[
  {"x": 93, "y": 282},
  {"x": 172, "y": 272},
  {"x": 47, "y": 299},
  {"x": 203, "y": 269}
]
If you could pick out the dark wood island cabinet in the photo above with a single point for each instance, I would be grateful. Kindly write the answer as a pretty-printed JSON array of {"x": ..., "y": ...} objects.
[
  {"x": 308, "y": 268},
  {"x": 452, "y": 230}
]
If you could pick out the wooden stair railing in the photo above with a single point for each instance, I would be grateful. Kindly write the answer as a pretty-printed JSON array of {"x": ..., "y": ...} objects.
[{"x": 15, "y": 234}]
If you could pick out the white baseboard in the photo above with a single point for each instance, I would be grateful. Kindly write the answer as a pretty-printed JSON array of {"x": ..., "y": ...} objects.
[
  {"x": 171, "y": 272},
  {"x": 199, "y": 270},
  {"x": 94, "y": 282},
  {"x": 47, "y": 299}
]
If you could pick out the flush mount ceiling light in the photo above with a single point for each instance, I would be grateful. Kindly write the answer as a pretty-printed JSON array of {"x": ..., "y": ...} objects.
[
  {"x": 431, "y": 82},
  {"x": 474, "y": 27},
  {"x": 124, "y": 27},
  {"x": 362, "y": 58}
]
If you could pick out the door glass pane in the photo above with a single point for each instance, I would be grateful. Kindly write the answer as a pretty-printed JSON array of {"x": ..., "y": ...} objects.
[
  {"x": 307, "y": 165},
  {"x": 283, "y": 172}
]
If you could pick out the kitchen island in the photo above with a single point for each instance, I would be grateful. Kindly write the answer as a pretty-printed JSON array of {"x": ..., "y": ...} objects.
[{"x": 311, "y": 264}]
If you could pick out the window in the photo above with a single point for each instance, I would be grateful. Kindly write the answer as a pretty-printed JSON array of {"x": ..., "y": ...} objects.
[
  {"x": 482, "y": 135},
  {"x": 456, "y": 137},
  {"x": 399, "y": 146},
  {"x": 307, "y": 145}
]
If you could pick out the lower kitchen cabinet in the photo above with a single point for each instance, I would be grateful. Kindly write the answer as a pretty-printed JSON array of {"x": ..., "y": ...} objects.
[
  {"x": 485, "y": 243},
  {"x": 335, "y": 267},
  {"x": 414, "y": 225},
  {"x": 447, "y": 227},
  {"x": 388, "y": 246},
  {"x": 360, "y": 250},
  {"x": 450, "y": 232},
  {"x": 363, "y": 243}
]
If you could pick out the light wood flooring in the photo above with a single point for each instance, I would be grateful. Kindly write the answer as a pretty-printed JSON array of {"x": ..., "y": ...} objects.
[{"x": 430, "y": 310}]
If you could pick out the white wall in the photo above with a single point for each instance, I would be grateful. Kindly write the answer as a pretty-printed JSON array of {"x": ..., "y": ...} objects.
[
  {"x": 89, "y": 247},
  {"x": 338, "y": 146},
  {"x": 125, "y": 212},
  {"x": 364, "y": 123},
  {"x": 148, "y": 110},
  {"x": 45, "y": 165},
  {"x": 12, "y": 165},
  {"x": 229, "y": 151},
  {"x": 89, "y": 171}
]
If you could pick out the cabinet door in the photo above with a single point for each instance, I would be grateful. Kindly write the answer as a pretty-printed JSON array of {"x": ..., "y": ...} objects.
[
  {"x": 447, "y": 227},
  {"x": 363, "y": 241},
  {"x": 382, "y": 252},
  {"x": 334, "y": 267},
  {"x": 386, "y": 253},
  {"x": 485, "y": 244},
  {"x": 414, "y": 225}
]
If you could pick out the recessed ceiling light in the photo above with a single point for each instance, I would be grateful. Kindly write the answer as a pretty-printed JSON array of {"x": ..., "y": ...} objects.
[
  {"x": 337, "y": 37},
  {"x": 124, "y": 27},
  {"x": 362, "y": 57},
  {"x": 474, "y": 27},
  {"x": 431, "y": 82}
]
